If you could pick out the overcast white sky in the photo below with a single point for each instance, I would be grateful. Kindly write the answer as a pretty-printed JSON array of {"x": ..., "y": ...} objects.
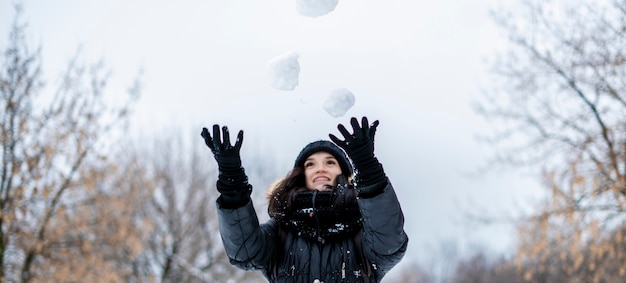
[{"x": 414, "y": 65}]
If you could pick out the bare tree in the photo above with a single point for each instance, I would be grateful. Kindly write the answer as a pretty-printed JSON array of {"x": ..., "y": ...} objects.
[
  {"x": 53, "y": 202},
  {"x": 560, "y": 95},
  {"x": 185, "y": 244},
  {"x": 560, "y": 87},
  {"x": 564, "y": 243}
]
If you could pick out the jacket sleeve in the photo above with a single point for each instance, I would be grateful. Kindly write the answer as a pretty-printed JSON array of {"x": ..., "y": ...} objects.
[
  {"x": 247, "y": 244},
  {"x": 384, "y": 239}
]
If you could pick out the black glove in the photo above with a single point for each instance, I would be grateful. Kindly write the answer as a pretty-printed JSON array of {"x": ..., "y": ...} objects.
[
  {"x": 232, "y": 181},
  {"x": 370, "y": 176}
]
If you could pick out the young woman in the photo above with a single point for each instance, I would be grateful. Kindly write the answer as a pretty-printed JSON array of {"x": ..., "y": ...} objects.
[{"x": 324, "y": 225}]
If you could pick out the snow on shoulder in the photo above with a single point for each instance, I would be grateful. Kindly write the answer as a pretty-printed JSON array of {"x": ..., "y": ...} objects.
[
  {"x": 338, "y": 102},
  {"x": 315, "y": 8},
  {"x": 284, "y": 71}
]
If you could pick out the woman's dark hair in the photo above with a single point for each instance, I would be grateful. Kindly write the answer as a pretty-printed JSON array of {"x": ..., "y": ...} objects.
[{"x": 281, "y": 194}]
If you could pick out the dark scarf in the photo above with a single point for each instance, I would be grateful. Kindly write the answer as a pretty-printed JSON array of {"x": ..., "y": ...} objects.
[{"x": 321, "y": 215}]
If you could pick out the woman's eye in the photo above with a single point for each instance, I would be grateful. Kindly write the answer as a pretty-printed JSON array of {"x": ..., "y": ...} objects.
[
  {"x": 331, "y": 162},
  {"x": 308, "y": 164}
]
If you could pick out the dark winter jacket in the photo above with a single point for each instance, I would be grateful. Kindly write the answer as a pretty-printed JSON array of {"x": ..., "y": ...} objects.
[{"x": 382, "y": 241}]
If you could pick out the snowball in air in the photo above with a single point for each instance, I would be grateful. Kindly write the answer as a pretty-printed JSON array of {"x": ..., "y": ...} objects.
[
  {"x": 315, "y": 8},
  {"x": 338, "y": 102},
  {"x": 284, "y": 71}
]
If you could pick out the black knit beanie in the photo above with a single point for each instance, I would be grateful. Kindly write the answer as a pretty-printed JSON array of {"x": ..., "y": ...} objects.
[{"x": 329, "y": 147}]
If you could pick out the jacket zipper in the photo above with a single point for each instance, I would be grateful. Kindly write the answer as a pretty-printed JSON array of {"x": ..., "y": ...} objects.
[{"x": 317, "y": 220}]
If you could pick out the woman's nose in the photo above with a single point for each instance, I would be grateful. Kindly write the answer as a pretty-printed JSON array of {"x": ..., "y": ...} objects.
[{"x": 319, "y": 168}]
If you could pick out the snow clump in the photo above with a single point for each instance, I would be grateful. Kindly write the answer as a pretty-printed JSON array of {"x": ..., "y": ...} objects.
[
  {"x": 338, "y": 102},
  {"x": 315, "y": 8},
  {"x": 284, "y": 71}
]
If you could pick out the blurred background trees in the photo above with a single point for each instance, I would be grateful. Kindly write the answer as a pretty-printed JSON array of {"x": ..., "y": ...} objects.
[
  {"x": 60, "y": 215},
  {"x": 82, "y": 203},
  {"x": 559, "y": 100},
  {"x": 183, "y": 244}
]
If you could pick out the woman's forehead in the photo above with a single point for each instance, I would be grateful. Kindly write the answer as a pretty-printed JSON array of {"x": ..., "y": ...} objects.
[{"x": 320, "y": 154}]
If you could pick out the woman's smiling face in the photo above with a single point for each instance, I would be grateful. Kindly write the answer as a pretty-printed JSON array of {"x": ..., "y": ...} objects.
[{"x": 321, "y": 170}]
